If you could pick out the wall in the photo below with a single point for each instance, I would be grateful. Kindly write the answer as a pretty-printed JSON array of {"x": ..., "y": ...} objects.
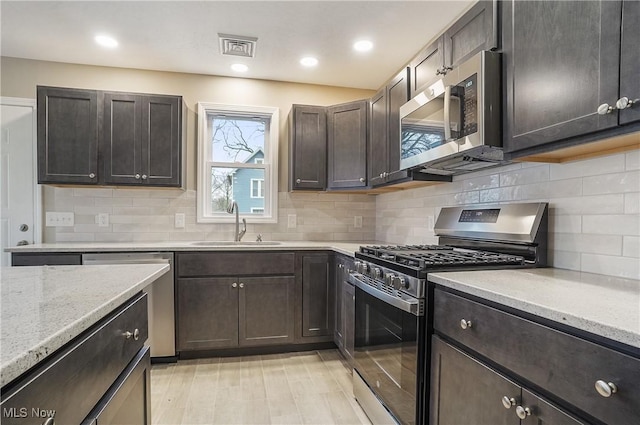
[
  {"x": 148, "y": 214},
  {"x": 594, "y": 209}
]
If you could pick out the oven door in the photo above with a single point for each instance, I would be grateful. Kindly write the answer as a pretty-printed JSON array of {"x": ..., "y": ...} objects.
[{"x": 389, "y": 349}]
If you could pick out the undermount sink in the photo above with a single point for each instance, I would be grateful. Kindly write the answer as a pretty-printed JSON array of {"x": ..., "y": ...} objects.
[{"x": 234, "y": 243}]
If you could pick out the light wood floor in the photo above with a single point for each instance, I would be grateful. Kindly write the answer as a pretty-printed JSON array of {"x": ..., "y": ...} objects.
[{"x": 292, "y": 388}]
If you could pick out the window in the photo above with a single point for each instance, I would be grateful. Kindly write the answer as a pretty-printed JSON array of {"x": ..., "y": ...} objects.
[
  {"x": 237, "y": 161},
  {"x": 257, "y": 188}
]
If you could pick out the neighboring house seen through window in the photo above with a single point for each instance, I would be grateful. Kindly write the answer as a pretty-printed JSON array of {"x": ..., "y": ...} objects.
[{"x": 237, "y": 161}]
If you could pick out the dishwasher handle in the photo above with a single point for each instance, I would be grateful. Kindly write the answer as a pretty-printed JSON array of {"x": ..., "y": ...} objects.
[{"x": 106, "y": 259}]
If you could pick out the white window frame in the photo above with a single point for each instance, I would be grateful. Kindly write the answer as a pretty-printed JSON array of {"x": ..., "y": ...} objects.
[
  {"x": 204, "y": 214},
  {"x": 260, "y": 189}
]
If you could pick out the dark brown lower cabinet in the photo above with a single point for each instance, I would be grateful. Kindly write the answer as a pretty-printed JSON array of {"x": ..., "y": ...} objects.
[
  {"x": 317, "y": 294},
  {"x": 466, "y": 391},
  {"x": 128, "y": 401},
  {"x": 344, "y": 332},
  {"x": 228, "y": 312}
]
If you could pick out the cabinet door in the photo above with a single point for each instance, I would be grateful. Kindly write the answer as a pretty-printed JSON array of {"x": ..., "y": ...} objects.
[
  {"x": 347, "y": 145},
  {"x": 308, "y": 146},
  {"x": 398, "y": 95},
  {"x": 545, "y": 413},
  {"x": 630, "y": 60},
  {"x": 207, "y": 315},
  {"x": 121, "y": 129},
  {"x": 464, "y": 391},
  {"x": 425, "y": 66},
  {"x": 317, "y": 296},
  {"x": 67, "y": 136},
  {"x": 378, "y": 138},
  {"x": 475, "y": 31},
  {"x": 266, "y": 310},
  {"x": 161, "y": 153},
  {"x": 561, "y": 61}
]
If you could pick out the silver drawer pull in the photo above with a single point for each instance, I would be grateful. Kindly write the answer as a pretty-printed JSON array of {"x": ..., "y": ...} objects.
[
  {"x": 135, "y": 334},
  {"x": 507, "y": 402},
  {"x": 606, "y": 389},
  {"x": 465, "y": 324},
  {"x": 523, "y": 412},
  {"x": 241, "y": 285}
]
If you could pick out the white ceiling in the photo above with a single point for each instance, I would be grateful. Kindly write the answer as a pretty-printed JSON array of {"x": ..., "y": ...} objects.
[{"x": 182, "y": 36}]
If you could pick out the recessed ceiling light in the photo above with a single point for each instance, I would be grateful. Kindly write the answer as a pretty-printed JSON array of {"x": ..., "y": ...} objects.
[
  {"x": 106, "y": 41},
  {"x": 239, "y": 67},
  {"x": 363, "y": 45},
  {"x": 308, "y": 61}
]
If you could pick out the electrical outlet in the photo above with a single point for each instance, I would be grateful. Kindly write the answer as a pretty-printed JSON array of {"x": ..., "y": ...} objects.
[
  {"x": 292, "y": 221},
  {"x": 178, "y": 221},
  {"x": 357, "y": 221},
  {"x": 103, "y": 220},
  {"x": 59, "y": 219}
]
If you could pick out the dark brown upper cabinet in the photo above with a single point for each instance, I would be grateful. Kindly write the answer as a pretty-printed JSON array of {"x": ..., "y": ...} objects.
[
  {"x": 384, "y": 131},
  {"x": 67, "y": 135},
  {"x": 475, "y": 31},
  {"x": 141, "y": 140},
  {"x": 308, "y": 147},
  {"x": 570, "y": 68},
  {"x": 108, "y": 138},
  {"x": 347, "y": 145}
]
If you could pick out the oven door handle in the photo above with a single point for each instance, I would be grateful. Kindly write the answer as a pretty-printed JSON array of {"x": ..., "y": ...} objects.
[{"x": 412, "y": 306}]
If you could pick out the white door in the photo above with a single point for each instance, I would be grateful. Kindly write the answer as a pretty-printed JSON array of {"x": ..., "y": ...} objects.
[{"x": 19, "y": 193}]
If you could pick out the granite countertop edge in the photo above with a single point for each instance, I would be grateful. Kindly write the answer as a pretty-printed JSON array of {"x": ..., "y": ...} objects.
[
  {"x": 17, "y": 365},
  {"x": 568, "y": 312}
]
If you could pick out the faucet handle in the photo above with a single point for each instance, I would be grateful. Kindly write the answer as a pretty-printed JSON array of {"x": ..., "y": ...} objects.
[{"x": 259, "y": 238}]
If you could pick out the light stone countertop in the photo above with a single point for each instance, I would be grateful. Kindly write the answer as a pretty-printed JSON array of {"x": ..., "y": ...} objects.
[
  {"x": 43, "y": 308},
  {"x": 346, "y": 248},
  {"x": 602, "y": 305}
]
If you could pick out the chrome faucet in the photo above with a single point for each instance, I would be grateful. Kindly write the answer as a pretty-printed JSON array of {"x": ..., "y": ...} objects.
[{"x": 233, "y": 206}]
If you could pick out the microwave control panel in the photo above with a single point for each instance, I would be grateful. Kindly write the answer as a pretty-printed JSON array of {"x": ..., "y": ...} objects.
[{"x": 469, "y": 105}]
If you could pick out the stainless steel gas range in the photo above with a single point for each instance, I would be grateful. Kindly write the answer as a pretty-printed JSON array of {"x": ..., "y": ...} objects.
[{"x": 394, "y": 299}]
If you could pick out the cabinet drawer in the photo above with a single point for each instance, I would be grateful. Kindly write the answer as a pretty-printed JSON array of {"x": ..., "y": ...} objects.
[
  {"x": 73, "y": 381},
  {"x": 561, "y": 364},
  {"x": 235, "y": 263}
]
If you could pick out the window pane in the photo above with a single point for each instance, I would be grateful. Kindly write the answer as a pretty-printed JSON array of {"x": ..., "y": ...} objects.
[
  {"x": 237, "y": 139},
  {"x": 243, "y": 185}
]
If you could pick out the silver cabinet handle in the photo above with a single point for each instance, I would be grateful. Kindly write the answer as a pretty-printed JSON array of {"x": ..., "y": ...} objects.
[
  {"x": 507, "y": 402},
  {"x": 523, "y": 412},
  {"x": 605, "y": 109},
  {"x": 606, "y": 389},
  {"x": 144, "y": 177},
  {"x": 361, "y": 179},
  {"x": 137, "y": 176},
  {"x": 234, "y": 285},
  {"x": 92, "y": 175},
  {"x": 624, "y": 103},
  {"x": 241, "y": 285},
  {"x": 298, "y": 181},
  {"x": 127, "y": 335},
  {"x": 136, "y": 334},
  {"x": 465, "y": 324},
  {"x": 23, "y": 227}
]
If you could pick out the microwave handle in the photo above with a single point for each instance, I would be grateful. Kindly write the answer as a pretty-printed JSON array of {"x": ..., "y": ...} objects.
[{"x": 447, "y": 114}]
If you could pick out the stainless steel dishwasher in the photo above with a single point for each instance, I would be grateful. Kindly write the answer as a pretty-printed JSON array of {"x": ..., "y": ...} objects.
[{"x": 160, "y": 294}]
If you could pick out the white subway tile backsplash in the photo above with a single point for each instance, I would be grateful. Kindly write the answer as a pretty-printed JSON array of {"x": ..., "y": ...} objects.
[
  {"x": 612, "y": 224},
  {"x": 589, "y": 167},
  {"x": 565, "y": 259},
  {"x": 565, "y": 223},
  {"x": 598, "y": 204},
  {"x": 632, "y": 159},
  {"x": 632, "y": 203},
  {"x": 631, "y": 246},
  {"x": 611, "y": 265},
  {"x": 525, "y": 176},
  {"x": 93, "y": 192},
  {"x": 612, "y": 183}
]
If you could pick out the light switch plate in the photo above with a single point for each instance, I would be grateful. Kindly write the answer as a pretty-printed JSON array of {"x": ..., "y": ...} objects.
[
  {"x": 357, "y": 221},
  {"x": 292, "y": 221},
  {"x": 179, "y": 221},
  {"x": 59, "y": 219},
  {"x": 103, "y": 220}
]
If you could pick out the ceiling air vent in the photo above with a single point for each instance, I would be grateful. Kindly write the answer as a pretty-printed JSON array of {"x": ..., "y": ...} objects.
[{"x": 237, "y": 45}]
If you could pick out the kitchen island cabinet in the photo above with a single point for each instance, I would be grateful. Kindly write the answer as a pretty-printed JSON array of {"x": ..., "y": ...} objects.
[
  {"x": 513, "y": 344},
  {"x": 62, "y": 355}
]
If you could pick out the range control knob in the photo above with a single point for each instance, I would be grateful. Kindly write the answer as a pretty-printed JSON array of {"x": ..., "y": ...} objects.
[
  {"x": 388, "y": 279},
  {"x": 399, "y": 283},
  {"x": 377, "y": 273}
]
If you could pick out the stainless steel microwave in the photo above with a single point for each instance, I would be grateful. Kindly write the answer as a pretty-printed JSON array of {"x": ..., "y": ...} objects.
[{"x": 454, "y": 125}]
